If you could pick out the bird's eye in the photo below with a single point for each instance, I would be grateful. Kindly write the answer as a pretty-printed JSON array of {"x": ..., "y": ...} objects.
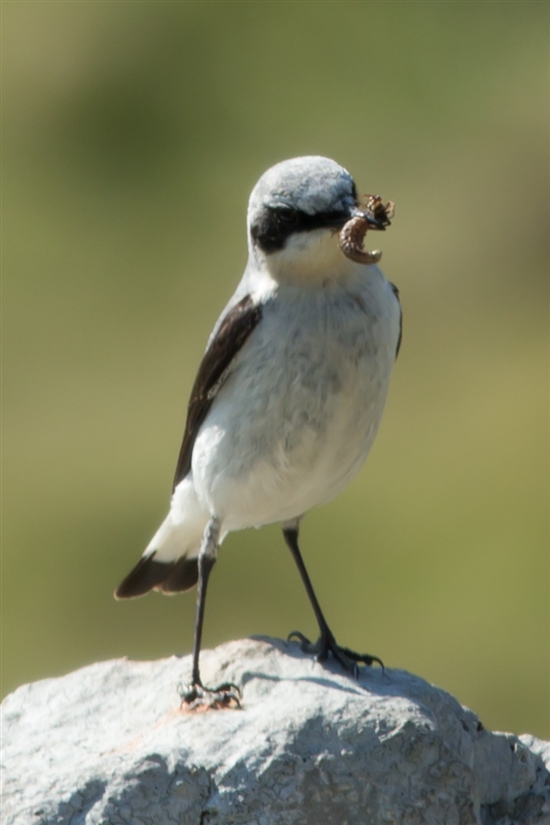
[{"x": 286, "y": 216}]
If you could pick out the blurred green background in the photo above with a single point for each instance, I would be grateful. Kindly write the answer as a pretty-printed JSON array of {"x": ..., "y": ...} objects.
[{"x": 133, "y": 134}]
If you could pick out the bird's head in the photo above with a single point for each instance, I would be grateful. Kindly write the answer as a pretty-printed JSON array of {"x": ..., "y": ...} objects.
[{"x": 295, "y": 214}]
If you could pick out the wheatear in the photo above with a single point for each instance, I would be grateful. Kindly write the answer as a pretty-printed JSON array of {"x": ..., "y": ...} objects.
[{"x": 290, "y": 391}]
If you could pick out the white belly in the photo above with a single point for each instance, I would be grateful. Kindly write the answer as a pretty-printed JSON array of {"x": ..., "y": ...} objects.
[{"x": 296, "y": 418}]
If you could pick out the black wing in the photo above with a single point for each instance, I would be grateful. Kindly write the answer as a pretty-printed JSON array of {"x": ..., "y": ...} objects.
[
  {"x": 230, "y": 337},
  {"x": 396, "y": 293}
]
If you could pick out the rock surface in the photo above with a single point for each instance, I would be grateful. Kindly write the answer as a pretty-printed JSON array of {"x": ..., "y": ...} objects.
[{"x": 110, "y": 745}]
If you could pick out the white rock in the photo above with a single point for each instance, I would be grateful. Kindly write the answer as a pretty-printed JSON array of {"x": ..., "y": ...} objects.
[{"x": 109, "y": 744}]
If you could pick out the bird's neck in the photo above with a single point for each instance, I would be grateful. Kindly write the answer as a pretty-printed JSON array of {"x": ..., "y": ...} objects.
[{"x": 309, "y": 259}]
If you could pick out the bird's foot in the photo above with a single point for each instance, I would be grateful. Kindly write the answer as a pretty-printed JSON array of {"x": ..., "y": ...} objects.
[
  {"x": 196, "y": 696},
  {"x": 348, "y": 659}
]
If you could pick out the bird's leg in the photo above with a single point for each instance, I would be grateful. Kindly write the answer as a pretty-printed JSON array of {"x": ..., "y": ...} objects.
[
  {"x": 326, "y": 643},
  {"x": 196, "y": 694}
]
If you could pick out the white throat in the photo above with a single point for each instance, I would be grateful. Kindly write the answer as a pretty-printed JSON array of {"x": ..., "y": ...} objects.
[{"x": 310, "y": 258}]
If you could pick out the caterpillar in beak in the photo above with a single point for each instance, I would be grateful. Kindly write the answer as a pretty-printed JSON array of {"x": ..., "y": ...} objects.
[{"x": 352, "y": 235}]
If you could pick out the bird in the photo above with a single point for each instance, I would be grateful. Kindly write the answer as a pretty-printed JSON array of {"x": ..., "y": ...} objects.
[{"x": 288, "y": 396}]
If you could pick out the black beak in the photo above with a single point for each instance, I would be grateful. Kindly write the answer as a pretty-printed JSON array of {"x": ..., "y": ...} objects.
[{"x": 367, "y": 215}]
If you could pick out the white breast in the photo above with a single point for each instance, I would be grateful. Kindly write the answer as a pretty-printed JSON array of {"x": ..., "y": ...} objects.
[{"x": 298, "y": 414}]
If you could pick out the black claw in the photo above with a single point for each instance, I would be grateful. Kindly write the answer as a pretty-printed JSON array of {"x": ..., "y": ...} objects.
[
  {"x": 306, "y": 645},
  {"x": 326, "y": 644},
  {"x": 365, "y": 658},
  {"x": 197, "y": 695}
]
